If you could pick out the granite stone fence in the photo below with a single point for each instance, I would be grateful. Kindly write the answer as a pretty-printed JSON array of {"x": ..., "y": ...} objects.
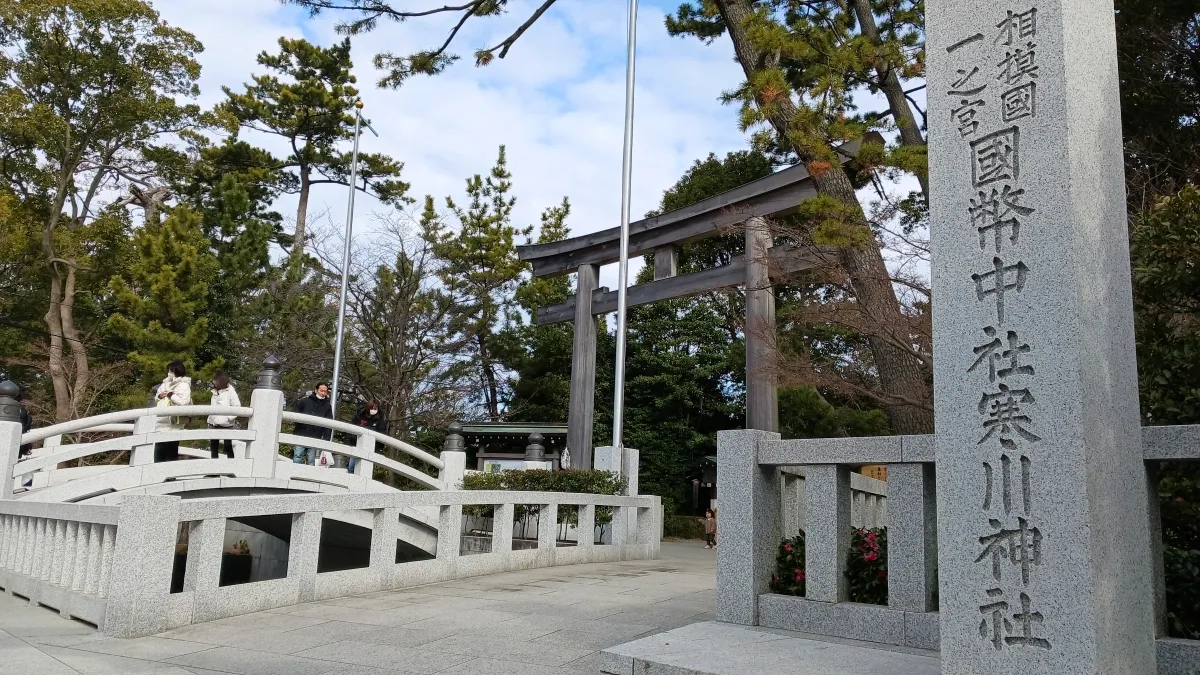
[
  {"x": 754, "y": 518},
  {"x": 256, "y": 464},
  {"x": 112, "y": 566},
  {"x": 868, "y": 500}
]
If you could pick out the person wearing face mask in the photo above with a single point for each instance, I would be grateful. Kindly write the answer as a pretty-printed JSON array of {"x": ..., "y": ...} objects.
[
  {"x": 224, "y": 395},
  {"x": 175, "y": 390},
  {"x": 369, "y": 417},
  {"x": 317, "y": 404}
]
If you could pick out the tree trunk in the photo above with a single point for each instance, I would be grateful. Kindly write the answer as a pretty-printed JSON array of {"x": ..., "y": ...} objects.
[
  {"x": 899, "y": 373},
  {"x": 82, "y": 374},
  {"x": 491, "y": 393},
  {"x": 302, "y": 214},
  {"x": 892, "y": 87}
]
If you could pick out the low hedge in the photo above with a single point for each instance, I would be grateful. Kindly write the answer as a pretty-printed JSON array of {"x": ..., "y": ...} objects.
[{"x": 591, "y": 482}]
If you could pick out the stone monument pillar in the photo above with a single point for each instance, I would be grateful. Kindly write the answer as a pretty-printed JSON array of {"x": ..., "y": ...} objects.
[{"x": 1044, "y": 551}]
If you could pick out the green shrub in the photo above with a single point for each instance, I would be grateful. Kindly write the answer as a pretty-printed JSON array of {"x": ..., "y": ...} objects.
[
  {"x": 1182, "y": 568},
  {"x": 788, "y": 578},
  {"x": 683, "y": 527},
  {"x": 866, "y": 566}
]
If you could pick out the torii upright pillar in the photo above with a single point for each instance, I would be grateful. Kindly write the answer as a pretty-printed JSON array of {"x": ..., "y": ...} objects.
[
  {"x": 583, "y": 370},
  {"x": 762, "y": 396}
]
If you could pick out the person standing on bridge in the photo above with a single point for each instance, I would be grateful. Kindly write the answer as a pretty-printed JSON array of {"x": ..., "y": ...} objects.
[
  {"x": 176, "y": 389},
  {"x": 317, "y": 404},
  {"x": 372, "y": 419},
  {"x": 224, "y": 395}
]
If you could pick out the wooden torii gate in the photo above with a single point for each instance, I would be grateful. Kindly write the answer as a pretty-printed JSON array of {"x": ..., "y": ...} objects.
[{"x": 747, "y": 206}]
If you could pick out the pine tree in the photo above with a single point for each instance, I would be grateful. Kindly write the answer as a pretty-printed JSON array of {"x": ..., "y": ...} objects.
[
  {"x": 162, "y": 298},
  {"x": 480, "y": 268},
  {"x": 308, "y": 101}
]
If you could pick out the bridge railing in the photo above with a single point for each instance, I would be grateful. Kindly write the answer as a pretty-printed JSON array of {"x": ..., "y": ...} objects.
[
  {"x": 112, "y": 565},
  {"x": 753, "y": 517},
  {"x": 138, "y": 431}
]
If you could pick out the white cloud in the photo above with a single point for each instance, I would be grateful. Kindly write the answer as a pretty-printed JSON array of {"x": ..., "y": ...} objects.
[{"x": 556, "y": 101}]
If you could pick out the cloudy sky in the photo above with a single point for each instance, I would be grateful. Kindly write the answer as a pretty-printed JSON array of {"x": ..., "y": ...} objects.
[{"x": 556, "y": 102}]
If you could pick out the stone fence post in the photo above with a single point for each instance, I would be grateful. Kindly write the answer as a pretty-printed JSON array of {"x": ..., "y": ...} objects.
[
  {"x": 10, "y": 434},
  {"x": 143, "y": 559},
  {"x": 454, "y": 454},
  {"x": 266, "y": 420}
]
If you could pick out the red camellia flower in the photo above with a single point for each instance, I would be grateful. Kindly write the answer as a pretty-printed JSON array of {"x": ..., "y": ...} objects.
[
  {"x": 871, "y": 557},
  {"x": 799, "y": 575},
  {"x": 787, "y": 547}
]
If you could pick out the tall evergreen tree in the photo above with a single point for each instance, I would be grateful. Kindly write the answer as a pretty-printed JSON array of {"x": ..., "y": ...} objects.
[
  {"x": 480, "y": 268},
  {"x": 308, "y": 100},
  {"x": 89, "y": 88},
  {"x": 162, "y": 298}
]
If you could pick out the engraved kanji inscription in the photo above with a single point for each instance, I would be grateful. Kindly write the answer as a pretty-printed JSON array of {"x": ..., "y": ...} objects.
[
  {"x": 996, "y": 628},
  {"x": 965, "y": 116},
  {"x": 1006, "y": 484},
  {"x": 1019, "y": 102},
  {"x": 995, "y": 352},
  {"x": 996, "y": 157},
  {"x": 1018, "y": 64},
  {"x": 1021, "y": 546},
  {"x": 964, "y": 42},
  {"x": 1017, "y": 26},
  {"x": 962, "y": 86},
  {"x": 1026, "y": 620},
  {"x": 994, "y": 612},
  {"x": 997, "y": 283},
  {"x": 1004, "y": 417},
  {"x": 993, "y": 211}
]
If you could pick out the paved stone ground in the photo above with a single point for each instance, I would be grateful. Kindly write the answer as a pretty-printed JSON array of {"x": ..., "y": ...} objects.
[{"x": 537, "y": 622}]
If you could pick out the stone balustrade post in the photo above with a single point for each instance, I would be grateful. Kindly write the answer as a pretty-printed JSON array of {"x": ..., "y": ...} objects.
[
  {"x": 10, "y": 434},
  {"x": 303, "y": 552},
  {"x": 206, "y": 542},
  {"x": 827, "y": 488},
  {"x": 385, "y": 531},
  {"x": 143, "y": 454},
  {"x": 585, "y": 532},
  {"x": 502, "y": 528},
  {"x": 143, "y": 559},
  {"x": 912, "y": 537},
  {"x": 454, "y": 456},
  {"x": 266, "y": 420},
  {"x": 449, "y": 543},
  {"x": 548, "y": 532},
  {"x": 748, "y": 524},
  {"x": 366, "y": 444}
]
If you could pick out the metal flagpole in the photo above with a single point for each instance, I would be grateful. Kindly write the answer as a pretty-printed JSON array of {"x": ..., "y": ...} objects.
[
  {"x": 337, "y": 348},
  {"x": 623, "y": 268}
]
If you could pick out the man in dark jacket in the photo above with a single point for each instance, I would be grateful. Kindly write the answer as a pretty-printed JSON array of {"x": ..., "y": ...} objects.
[{"x": 317, "y": 404}]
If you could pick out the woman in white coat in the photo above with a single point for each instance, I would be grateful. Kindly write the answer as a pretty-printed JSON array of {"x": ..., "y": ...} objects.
[
  {"x": 176, "y": 389},
  {"x": 226, "y": 396}
]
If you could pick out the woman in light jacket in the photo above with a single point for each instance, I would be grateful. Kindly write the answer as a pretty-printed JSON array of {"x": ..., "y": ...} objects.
[
  {"x": 176, "y": 389},
  {"x": 226, "y": 396}
]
